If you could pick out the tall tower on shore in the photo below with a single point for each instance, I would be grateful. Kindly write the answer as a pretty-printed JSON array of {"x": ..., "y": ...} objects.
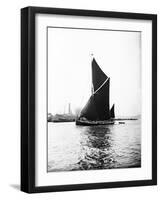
[{"x": 69, "y": 109}]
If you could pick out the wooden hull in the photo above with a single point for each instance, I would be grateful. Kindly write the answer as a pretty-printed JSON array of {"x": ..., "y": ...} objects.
[{"x": 93, "y": 123}]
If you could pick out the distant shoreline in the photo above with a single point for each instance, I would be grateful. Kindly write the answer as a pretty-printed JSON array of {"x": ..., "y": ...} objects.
[
  {"x": 122, "y": 119},
  {"x": 73, "y": 120},
  {"x": 57, "y": 118}
]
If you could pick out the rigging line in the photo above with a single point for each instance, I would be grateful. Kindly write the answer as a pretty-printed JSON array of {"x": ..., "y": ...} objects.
[{"x": 101, "y": 86}]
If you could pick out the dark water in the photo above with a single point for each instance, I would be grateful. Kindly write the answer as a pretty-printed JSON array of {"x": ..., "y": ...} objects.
[{"x": 72, "y": 147}]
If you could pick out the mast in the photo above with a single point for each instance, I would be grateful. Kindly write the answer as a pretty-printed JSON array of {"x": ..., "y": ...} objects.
[{"x": 92, "y": 88}]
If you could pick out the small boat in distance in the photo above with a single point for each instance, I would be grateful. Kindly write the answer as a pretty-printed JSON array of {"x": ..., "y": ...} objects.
[
  {"x": 121, "y": 122},
  {"x": 97, "y": 110}
]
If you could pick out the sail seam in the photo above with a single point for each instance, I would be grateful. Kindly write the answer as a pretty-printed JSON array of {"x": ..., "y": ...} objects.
[{"x": 101, "y": 86}]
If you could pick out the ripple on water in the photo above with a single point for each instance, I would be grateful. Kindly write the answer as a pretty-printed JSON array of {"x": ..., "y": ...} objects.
[{"x": 72, "y": 147}]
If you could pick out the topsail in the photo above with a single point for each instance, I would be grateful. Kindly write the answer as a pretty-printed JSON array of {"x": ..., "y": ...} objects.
[
  {"x": 112, "y": 112},
  {"x": 97, "y": 107}
]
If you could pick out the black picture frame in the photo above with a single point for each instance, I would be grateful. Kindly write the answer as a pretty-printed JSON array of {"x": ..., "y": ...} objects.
[{"x": 28, "y": 98}]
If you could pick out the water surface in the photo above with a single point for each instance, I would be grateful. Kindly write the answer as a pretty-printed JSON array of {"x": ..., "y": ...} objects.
[{"x": 72, "y": 147}]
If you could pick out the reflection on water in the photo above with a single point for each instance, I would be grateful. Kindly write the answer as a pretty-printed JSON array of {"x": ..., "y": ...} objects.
[{"x": 72, "y": 147}]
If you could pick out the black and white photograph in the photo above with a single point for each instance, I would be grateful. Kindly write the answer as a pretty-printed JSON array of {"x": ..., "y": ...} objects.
[
  {"x": 89, "y": 99},
  {"x": 93, "y": 99}
]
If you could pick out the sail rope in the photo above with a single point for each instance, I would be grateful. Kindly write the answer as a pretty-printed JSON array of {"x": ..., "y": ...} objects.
[{"x": 101, "y": 86}]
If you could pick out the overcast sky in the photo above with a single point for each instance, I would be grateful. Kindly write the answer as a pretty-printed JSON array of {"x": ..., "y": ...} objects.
[{"x": 118, "y": 53}]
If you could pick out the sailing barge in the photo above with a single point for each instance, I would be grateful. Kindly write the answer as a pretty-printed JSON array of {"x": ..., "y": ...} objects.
[{"x": 97, "y": 110}]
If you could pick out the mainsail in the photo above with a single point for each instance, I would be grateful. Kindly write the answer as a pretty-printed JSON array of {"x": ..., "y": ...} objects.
[
  {"x": 97, "y": 107},
  {"x": 112, "y": 111}
]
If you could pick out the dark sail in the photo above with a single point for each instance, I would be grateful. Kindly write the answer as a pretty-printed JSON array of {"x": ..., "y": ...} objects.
[
  {"x": 97, "y": 107},
  {"x": 89, "y": 111},
  {"x": 112, "y": 111},
  {"x": 98, "y": 76}
]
